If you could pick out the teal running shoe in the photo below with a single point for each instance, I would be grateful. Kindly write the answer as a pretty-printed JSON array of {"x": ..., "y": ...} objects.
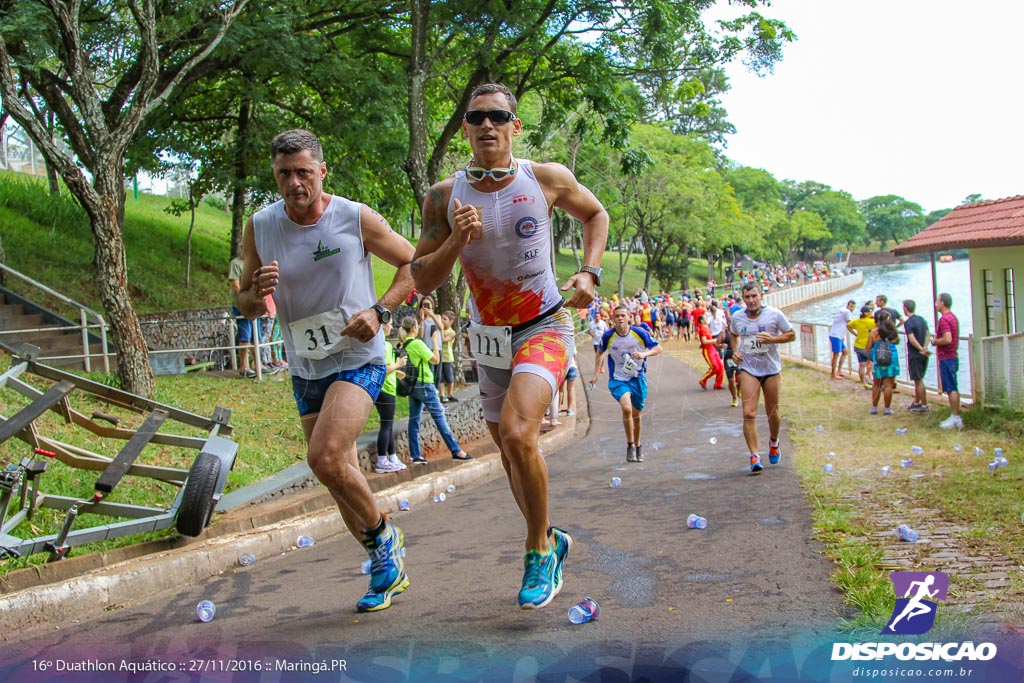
[
  {"x": 387, "y": 570},
  {"x": 774, "y": 453},
  {"x": 561, "y": 543},
  {"x": 539, "y": 585},
  {"x": 755, "y": 464}
]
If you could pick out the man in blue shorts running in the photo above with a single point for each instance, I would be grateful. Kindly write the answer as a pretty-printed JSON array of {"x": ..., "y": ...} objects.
[
  {"x": 627, "y": 378},
  {"x": 311, "y": 252}
]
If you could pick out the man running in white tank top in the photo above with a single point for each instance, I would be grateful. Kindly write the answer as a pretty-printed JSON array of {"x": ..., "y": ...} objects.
[
  {"x": 495, "y": 218},
  {"x": 312, "y": 252}
]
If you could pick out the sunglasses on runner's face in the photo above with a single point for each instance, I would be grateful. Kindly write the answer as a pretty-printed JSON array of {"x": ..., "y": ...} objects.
[
  {"x": 476, "y": 173},
  {"x": 498, "y": 117}
]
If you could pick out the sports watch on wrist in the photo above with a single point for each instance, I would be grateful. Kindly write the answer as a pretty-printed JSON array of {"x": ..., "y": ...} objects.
[
  {"x": 382, "y": 313},
  {"x": 596, "y": 272}
]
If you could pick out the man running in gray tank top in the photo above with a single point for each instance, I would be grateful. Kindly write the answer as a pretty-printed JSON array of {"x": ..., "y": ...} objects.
[
  {"x": 754, "y": 334},
  {"x": 312, "y": 252}
]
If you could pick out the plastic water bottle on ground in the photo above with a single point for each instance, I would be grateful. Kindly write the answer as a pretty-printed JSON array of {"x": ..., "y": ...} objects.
[
  {"x": 978, "y": 451},
  {"x": 916, "y": 450},
  {"x": 957, "y": 447},
  {"x": 713, "y": 440},
  {"x": 403, "y": 505},
  {"x": 828, "y": 468},
  {"x": 819, "y": 428},
  {"x": 440, "y": 498},
  {"x": 905, "y": 533},
  {"x": 304, "y": 542},
  {"x": 584, "y": 611},
  {"x": 907, "y": 462},
  {"x": 245, "y": 559},
  {"x": 886, "y": 470},
  {"x": 1003, "y": 462},
  {"x": 616, "y": 482},
  {"x": 993, "y": 466},
  {"x": 901, "y": 430},
  {"x": 451, "y": 488},
  {"x": 998, "y": 452},
  {"x": 830, "y": 455},
  {"x": 205, "y": 611},
  {"x": 696, "y": 522}
]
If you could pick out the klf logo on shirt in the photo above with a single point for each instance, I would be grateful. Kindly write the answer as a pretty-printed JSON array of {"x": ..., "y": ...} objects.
[{"x": 914, "y": 613}]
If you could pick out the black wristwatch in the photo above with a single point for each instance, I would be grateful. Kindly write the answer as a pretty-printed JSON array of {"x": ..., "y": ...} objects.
[
  {"x": 596, "y": 272},
  {"x": 382, "y": 313}
]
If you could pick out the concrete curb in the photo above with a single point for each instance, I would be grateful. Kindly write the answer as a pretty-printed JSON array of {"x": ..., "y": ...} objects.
[{"x": 251, "y": 532}]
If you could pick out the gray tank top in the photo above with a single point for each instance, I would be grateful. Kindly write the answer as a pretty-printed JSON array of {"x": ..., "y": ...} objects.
[{"x": 323, "y": 267}]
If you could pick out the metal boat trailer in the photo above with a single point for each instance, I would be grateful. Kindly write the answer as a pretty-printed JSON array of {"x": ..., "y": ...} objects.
[{"x": 201, "y": 486}]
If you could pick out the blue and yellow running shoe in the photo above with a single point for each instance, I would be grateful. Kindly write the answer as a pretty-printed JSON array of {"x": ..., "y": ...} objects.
[
  {"x": 387, "y": 570},
  {"x": 561, "y": 543}
]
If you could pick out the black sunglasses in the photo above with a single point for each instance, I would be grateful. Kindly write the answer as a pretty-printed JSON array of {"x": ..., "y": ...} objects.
[{"x": 498, "y": 117}]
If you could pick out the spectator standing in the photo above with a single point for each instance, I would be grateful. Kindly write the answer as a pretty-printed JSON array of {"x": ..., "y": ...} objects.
[
  {"x": 946, "y": 343},
  {"x": 916, "y": 328},
  {"x": 861, "y": 328},
  {"x": 387, "y": 401},
  {"x": 243, "y": 338},
  {"x": 884, "y": 374},
  {"x": 447, "y": 380},
  {"x": 425, "y": 394},
  {"x": 837, "y": 337}
]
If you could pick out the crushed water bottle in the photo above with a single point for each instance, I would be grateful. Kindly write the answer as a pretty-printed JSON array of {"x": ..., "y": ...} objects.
[
  {"x": 993, "y": 466},
  {"x": 1003, "y": 462},
  {"x": 905, "y": 533},
  {"x": 957, "y": 447},
  {"x": 901, "y": 430},
  {"x": 451, "y": 488},
  {"x": 907, "y": 462},
  {"x": 205, "y": 611},
  {"x": 978, "y": 451},
  {"x": 304, "y": 542},
  {"x": 696, "y": 522},
  {"x": 830, "y": 455},
  {"x": 403, "y": 505},
  {"x": 916, "y": 450},
  {"x": 819, "y": 428},
  {"x": 828, "y": 468},
  {"x": 440, "y": 498},
  {"x": 886, "y": 470},
  {"x": 245, "y": 559},
  {"x": 584, "y": 611},
  {"x": 998, "y": 452},
  {"x": 616, "y": 482},
  {"x": 713, "y": 440}
]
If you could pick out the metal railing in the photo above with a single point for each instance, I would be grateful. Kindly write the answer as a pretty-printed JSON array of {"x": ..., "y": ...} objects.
[
  {"x": 1000, "y": 370},
  {"x": 84, "y": 313},
  {"x": 812, "y": 347}
]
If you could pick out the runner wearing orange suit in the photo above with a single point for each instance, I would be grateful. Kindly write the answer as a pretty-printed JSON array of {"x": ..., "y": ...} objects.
[{"x": 494, "y": 217}]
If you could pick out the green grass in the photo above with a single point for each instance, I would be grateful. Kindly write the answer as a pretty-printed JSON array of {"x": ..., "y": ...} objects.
[
  {"x": 266, "y": 428},
  {"x": 855, "y": 509}
]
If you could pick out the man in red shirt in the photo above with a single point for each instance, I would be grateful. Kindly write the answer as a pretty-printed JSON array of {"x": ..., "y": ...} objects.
[{"x": 946, "y": 343}]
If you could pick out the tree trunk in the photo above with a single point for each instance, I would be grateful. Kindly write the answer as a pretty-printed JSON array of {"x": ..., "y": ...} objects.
[
  {"x": 104, "y": 203},
  {"x": 415, "y": 166},
  {"x": 241, "y": 179}
]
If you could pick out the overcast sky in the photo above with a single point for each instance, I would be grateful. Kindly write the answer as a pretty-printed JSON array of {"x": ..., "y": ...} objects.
[{"x": 918, "y": 98}]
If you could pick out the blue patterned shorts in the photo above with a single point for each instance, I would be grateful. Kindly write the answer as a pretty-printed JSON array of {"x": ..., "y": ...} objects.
[{"x": 310, "y": 393}]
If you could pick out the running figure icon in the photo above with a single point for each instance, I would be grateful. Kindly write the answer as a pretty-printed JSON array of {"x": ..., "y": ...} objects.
[{"x": 919, "y": 591}]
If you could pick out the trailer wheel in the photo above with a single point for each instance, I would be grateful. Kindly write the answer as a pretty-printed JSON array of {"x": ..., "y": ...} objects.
[{"x": 197, "y": 501}]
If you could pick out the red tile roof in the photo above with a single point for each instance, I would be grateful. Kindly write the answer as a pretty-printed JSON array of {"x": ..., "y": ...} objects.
[{"x": 997, "y": 223}]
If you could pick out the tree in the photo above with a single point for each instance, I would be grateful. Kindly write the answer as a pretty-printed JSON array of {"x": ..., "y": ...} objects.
[
  {"x": 890, "y": 217},
  {"x": 102, "y": 69}
]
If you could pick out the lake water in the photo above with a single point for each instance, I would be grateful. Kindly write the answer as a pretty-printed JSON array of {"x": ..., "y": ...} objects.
[{"x": 899, "y": 282}]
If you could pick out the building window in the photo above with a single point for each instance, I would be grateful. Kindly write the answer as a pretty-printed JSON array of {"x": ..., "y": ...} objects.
[
  {"x": 1010, "y": 301},
  {"x": 988, "y": 284}
]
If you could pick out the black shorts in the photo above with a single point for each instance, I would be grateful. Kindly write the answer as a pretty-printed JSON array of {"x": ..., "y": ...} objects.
[
  {"x": 761, "y": 379},
  {"x": 917, "y": 366}
]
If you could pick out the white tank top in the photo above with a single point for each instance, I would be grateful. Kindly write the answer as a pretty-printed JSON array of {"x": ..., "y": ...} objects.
[
  {"x": 323, "y": 267},
  {"x": 508, "y": 265}
]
